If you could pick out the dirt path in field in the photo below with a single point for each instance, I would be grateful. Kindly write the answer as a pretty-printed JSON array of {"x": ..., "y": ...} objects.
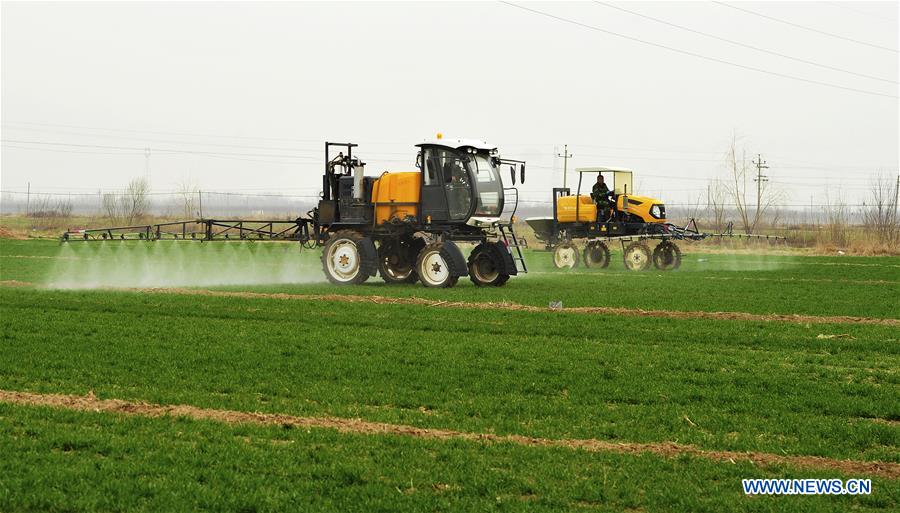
[
  {"x": 15, "y": 283},
  {"x": 613, "y": 275},
  {"x": 607, "y": 310},
  {"x": 666, "y": 449}
]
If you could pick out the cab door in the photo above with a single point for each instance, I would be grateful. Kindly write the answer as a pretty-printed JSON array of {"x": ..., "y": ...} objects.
[{"x": 434, "y": 196}]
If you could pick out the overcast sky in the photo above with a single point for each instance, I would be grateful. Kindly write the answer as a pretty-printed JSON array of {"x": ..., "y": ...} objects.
[{"x": 241, "y": 96}]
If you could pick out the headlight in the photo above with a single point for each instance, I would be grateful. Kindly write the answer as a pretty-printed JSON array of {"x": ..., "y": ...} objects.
[{"x": 658, "y": 211}]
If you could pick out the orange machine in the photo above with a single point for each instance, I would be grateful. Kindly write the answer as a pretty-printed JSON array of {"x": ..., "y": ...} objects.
[
  {"x": 396, "y": 196},
  {"x": 566, "y": 209}
]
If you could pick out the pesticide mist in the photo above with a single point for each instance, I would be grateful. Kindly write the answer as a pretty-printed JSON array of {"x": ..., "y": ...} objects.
[{"x": 182, "y": 264}]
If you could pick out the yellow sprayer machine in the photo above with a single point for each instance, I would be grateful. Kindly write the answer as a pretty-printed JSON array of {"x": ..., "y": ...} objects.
[{"x": 616, "y": 215}]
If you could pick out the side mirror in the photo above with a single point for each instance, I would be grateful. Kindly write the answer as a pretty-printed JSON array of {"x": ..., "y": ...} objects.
[
  {"x": 512, "y": 174},
  {"x": 419, "y": 160},
  {"x": 523, "y": 174}
]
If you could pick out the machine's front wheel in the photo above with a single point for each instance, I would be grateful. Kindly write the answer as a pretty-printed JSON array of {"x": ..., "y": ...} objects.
[
  {"x": 486, "y": 265},
  {"x": 397, "y": 259},
  {"x": 348, "y": 258},
  {"x": 637, "y": 256},
  {"x": 565, "y": 256},
  {"x": 596, "y": 255},
  {"x": 667, "y": 256},
  {"x": 434, "y": 266}
]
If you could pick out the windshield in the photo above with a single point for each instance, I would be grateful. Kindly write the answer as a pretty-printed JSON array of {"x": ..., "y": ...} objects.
[{"x": 488, "y": 187}]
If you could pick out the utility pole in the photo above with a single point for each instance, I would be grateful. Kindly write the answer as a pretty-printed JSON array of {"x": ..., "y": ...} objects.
[
  {"x": 760, "y": 178},
  {"x": 28, "y": 199},
  {"x": 565, "y": 156}
]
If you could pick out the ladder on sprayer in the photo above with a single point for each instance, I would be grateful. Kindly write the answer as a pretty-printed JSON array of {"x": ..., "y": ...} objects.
[{"x": 515, "y": 247}]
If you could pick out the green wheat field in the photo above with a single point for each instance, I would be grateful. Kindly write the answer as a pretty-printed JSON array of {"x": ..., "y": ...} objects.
[{"x": 812, "y": 371}]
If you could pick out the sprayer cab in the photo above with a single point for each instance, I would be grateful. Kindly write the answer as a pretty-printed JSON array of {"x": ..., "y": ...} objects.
[{"x": 457, "y": 187}]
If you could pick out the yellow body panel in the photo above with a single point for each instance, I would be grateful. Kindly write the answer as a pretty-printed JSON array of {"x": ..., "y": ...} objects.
[
  {"x": 639, "y": 206},
  {"x": 565, "y": 209},
  {"x": 396, "y": 196}
]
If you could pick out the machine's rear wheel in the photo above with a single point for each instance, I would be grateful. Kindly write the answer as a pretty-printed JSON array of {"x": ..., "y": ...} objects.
[
  {"x": 348, "y": 258},
  {"x": 667, "y": 256},
  {"x": 565, "y": 256},
  {"x": 637, "y": 256},
  {"x": 486, "y": 265},
  {"x": 433, "y": 266},
  {"x": 397, "y": 259},
  {"x": 596, "y": 255}
]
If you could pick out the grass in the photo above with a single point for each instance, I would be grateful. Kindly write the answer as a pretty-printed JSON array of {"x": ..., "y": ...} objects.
[
  {"x": 140, "y": 464},
  {"x": 716, "y": 384},
  {"x": 563, "y": 376},
  {"x": 784, "y": 284}
]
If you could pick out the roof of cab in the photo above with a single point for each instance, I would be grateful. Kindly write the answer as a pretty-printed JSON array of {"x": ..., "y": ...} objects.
[
  {"x": 602, "y": 169},
  {"x": 450, "y": 142}
]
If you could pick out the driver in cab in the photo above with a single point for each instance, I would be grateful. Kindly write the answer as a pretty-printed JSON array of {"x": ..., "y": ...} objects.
[{"x": 600, "y": 195}]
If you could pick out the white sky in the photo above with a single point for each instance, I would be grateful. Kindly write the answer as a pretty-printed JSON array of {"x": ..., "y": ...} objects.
[{"x": 258, "y": 87}]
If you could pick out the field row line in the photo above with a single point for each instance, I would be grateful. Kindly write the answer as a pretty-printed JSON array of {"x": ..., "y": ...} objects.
[
  {"x": 721, "y": 278},
  {"x": 358, "y": 426},
  {"x": 508, "y": 306}
]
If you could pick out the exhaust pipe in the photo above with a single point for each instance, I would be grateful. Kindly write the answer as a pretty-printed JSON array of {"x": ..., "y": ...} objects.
[{"x": 358, "y": 173}]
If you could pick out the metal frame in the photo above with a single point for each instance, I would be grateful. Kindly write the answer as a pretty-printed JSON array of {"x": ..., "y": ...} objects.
[{"x": 300, "y": 230}]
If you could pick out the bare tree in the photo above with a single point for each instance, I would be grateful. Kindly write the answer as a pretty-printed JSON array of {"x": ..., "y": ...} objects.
[
  {"x": 110, "y": 203},
  {"x": 737, "y": 188},
  {"x": 130, "y": 205},
  {"x": 837, "y": 218},
  {"x": 880, "y": 216},
  {"x": 41, "y": 206},
  {"x": 717, "y": 198},
  {"x": 188, "y": 193},
  {"x": 64, "y": 208},
  {"x": 136, "y": 200}
]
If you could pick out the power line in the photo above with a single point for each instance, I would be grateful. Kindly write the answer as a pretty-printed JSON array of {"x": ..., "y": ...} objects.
[
  {"x": 885, "y": 19},
  {"x": 744, "y": 45},
  {"x": 143, "y": 149},
  {"x": 180, "y": 134},
  {"x": 135, "y": 138},
  {"x": 71, "y": 151},
  {"x": 705, "y": 57},
  {"x": 804, "y": 27},
  {"x": 692, "y": 54}
]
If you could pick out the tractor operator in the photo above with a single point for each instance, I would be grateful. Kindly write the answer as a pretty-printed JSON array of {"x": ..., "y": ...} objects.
[{"x": 600, "y": 195}]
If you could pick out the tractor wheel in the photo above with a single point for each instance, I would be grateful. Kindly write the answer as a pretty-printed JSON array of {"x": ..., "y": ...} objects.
[
  {"x": 397, "y": 259},
  {"x": 596, "y": 255},
  {"x": 487, "y": 265},
  {"x": 637, "y": 256},
  {"x": 667, "y": 256},
  {"x": 565, "y": 256},
  {"x": 348, "y": 258},
  {"x": 434, "y": 266}
]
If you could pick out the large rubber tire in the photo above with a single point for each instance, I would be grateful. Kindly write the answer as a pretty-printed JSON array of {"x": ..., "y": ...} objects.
[
  {"x": 637, "y": 257},
  {"x": 596, "y": 255},
  {"x": 397, "y": 259},
  {"x": 436, "y": 265},
  {"x": 667, "y": 256},
  {"x": 565, "y": 256},
  {"x": 348, "y": 258},
  {"x": 487, "y": 265}
]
